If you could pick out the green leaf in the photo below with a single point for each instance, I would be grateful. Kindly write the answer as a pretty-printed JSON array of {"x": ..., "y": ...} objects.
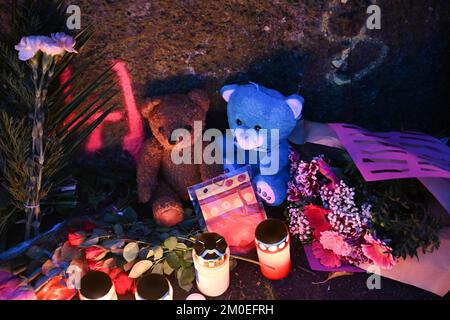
[
  {"x": 131, "y": 251},
  {"x": 181, "y": 245},
  {"x": 187, "y": 256},
  {"x": 158, "y": 268},
  {"x": 91, "y": 241},
  {"x": 173, "y": 260},
  {"x": 129, "y": 215},
  {"x": 118, "y": 229},
  {"x": 110, "y": 217},
  {"x": 158, "y": 253},
  {"x": 167, "y": 268},
  {"x": 171, "y": 243},
  {"x": 185, "y": 263},
  {"x": 146, "y": 253},
  {"x": 139, "y": 268},
  {"x": 113, "y": 243},
  {"x": 185, "y": 277}
]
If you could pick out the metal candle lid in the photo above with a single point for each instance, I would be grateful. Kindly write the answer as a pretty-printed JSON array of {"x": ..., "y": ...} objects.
[
  {"x": 153, "y": 287},
  {"x": 210, "y": 248},
  {"x": 271, "y": 235},
  {"x": 95, "y": 284}
]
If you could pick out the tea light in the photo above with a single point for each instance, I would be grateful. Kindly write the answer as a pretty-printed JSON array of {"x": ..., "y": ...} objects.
[
  {"x": 195, "y": 296},
  {"x": 97, "y": 285},
  {"x": 211, "y": 257},
  {"x": 153, "y": 287},
  {"x": 272, "y": 243}
]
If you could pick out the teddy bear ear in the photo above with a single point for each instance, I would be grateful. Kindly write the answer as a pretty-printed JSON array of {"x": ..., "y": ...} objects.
[
  {"x": 150, "y": 105},
  {"x": 295, "y": 102},
  {"x": 227, "y": 91},
  {"x": 200, "y": 98}
]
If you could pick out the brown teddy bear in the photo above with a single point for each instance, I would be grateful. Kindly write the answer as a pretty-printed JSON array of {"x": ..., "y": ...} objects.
[{"x": 159, "y": 179}]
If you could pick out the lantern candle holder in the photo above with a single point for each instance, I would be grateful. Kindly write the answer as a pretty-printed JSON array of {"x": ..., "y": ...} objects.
[
  {"x": 153, "y": 286},
  {"x": 211, "y": 257},
  {"x": 97, "y": 285},
  {"x": 272, "y": 245}
]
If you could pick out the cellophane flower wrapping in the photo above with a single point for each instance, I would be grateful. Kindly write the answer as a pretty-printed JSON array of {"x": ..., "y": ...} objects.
[
  {"x": 323, "y": 210},
  {"x": 228, "y": 205}
]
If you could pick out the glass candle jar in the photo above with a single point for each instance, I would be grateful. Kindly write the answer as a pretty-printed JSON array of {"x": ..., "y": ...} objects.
[
  {"x": 272, "y": 245},
  {"x": 153, "y": 287},
  {"x": 97, "y": 285},
  {"x": 211, "y": 257}
]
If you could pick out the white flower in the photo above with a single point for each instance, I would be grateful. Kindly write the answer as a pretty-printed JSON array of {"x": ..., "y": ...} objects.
[
  {"x": 51, "y": 47},
  {"x": 28, "y": 46},
  {"x": 54, "y": 46},
  {"x": 64, "y": 41}
]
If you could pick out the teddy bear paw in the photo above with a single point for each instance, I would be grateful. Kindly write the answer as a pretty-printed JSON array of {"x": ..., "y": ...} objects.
[
  {"x": 265, "y": 191},
  {"x": 168, "y": 217}
]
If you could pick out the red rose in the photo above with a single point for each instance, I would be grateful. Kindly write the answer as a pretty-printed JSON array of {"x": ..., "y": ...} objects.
[
  {"x": 76, "y": 238},
  {"x": 95, "y": 253},
  {"x": 55, "y": 289},
  {"x": 317, "y": 219},
  {"x": 122, "y": 282},
  {"x": 97, "y": 266}
]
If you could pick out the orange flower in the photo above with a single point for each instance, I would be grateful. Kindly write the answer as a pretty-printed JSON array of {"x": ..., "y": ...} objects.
[{"x": 316, "y": 216}]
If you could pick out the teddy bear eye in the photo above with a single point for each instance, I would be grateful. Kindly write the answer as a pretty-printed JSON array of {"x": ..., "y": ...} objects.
[
  {"x": 161, "y": 129},
  {"x": 238, "y": 122},
  {"x": 257, "y": 127}
]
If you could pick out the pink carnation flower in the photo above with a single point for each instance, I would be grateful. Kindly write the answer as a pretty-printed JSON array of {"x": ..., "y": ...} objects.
[
  {"x": 333, "y": 241},
  {"x": 378, "y": 252},
  {"x": 326, "y": 257}
]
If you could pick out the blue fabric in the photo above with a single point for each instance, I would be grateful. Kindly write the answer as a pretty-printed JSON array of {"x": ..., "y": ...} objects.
[{"x": 253, "y": 106}]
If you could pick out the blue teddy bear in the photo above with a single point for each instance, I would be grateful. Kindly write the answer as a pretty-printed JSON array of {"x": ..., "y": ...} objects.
[{"x": 261, "y": 120}]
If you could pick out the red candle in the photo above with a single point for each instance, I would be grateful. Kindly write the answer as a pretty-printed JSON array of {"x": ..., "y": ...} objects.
[{"x": 272, "y": 243}]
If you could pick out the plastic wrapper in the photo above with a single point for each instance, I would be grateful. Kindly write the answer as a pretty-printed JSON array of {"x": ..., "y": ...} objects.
[{"x": 228, "y": 205}]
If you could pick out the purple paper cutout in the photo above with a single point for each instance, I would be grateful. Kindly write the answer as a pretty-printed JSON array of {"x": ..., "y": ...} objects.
[
  {"x": 314, "y": 263},
  {"x": 394, "y": 155}
]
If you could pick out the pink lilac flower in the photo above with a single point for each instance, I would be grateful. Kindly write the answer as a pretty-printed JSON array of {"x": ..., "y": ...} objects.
[
  {"x": 335, "y": 242},
  {"x": 299, "y": 225},
  {"x": 378, "y": 251}
]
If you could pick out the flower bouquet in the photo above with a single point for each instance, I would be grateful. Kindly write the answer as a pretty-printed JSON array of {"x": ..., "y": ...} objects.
[{"x": 359, "y": 224}]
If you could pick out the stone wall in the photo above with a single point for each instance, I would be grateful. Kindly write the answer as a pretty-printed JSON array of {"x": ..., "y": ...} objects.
[{"x": 393, "y": 78}]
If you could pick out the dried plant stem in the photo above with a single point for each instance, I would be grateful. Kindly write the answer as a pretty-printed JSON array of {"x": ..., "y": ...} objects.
[{"x": 37, "y": 158}]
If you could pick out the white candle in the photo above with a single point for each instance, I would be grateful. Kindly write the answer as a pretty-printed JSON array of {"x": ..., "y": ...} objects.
[
  {"x": 153, "y": 287},
  {"x": 211, "y": 257},
  {"x": 272, "y": 245},
  {"x": 97, "y": 285},
  {"x": 195, "y": 296}
]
